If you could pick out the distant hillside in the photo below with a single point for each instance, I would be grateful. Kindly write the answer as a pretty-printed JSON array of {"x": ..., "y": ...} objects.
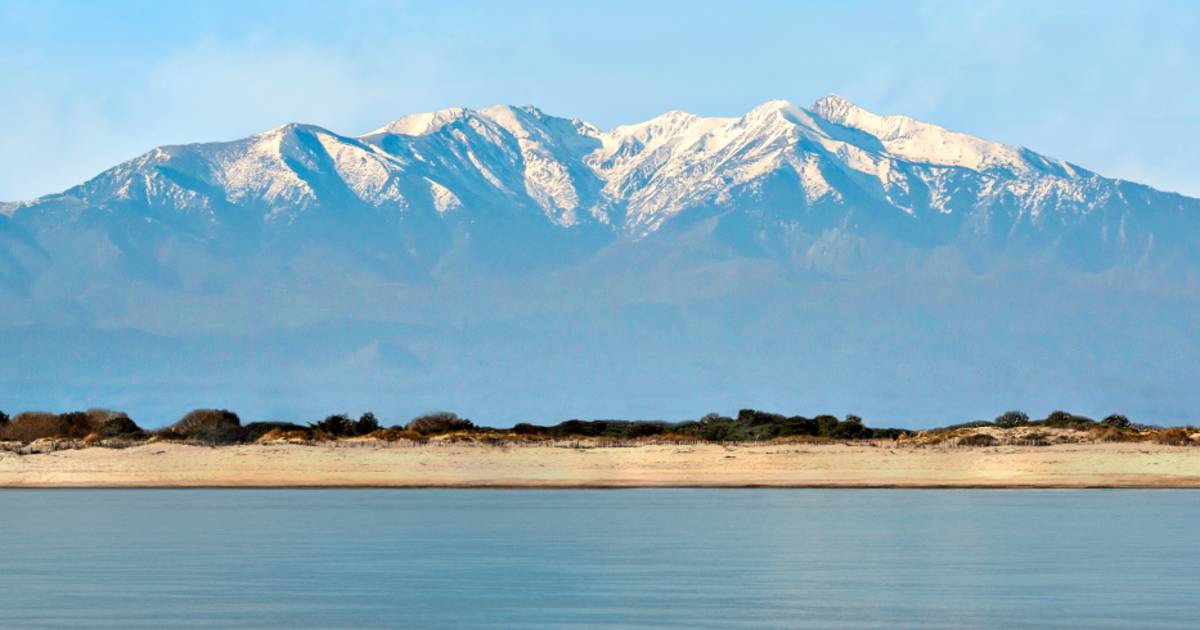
[{"x": 517, "y": 264}]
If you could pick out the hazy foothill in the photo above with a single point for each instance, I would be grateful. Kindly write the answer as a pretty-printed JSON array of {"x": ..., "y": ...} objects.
[{"x": 215, "y": 427}]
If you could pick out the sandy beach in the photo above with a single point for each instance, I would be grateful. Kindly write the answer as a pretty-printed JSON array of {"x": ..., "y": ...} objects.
[{"x": 381, "y": 464}]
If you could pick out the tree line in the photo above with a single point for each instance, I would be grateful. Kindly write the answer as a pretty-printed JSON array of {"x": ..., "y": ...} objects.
[{"x": 220, "y": 426}]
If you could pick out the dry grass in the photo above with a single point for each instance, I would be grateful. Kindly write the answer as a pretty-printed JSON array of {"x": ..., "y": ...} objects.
[
  {"x": 29, "y": 426},
  {"x": 1035, "y": 438},
  {"x": 393, "y": 435},
  {"x": 1113, "y": 434},
  {"x": 283, "y": 435},
  {"x": 978, "y": 439},
  {"x": 936, "y": 438},
  {"x": 1172, "y": 437}
]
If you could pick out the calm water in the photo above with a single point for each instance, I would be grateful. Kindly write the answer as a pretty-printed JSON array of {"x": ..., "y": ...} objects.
[{"x": 552, "y": 559}]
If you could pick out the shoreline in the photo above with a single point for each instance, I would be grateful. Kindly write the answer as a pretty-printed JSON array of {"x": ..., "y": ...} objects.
[
  {"x": 473, "y": 466},
  {"x": 609, "y": 487}
]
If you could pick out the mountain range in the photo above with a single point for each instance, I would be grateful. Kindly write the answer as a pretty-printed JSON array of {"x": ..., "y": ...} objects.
[{"x": 516, "y": 265}]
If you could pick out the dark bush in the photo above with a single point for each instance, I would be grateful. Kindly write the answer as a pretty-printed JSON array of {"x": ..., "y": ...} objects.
[
  {"x": 367, "y": 424},
  {"x": 851, "y": 429},
  {"x": 205, "y": 418},
  {"x": 524, "y": 428},
  {"x": 615, "y": 429},
  {"x": 337, "y": 426},
  {"x": 75, "y": 425},
  {"x": 642, "y": 429},
  {"x": 1117, "y": 421},
  {"x": 217, "y": 434},
  {"x": 826, "y": 425},
  {"x": 210, "y": 426},
  {"x": 799, "y": 425},
  {"x": 1065, "y": 420},
  {"x": 761, "y": 425},
  {"x": 753, "y": 417},
  {"x": 1010, "y": 419},
  {"x": 577, "y": 428},
  {"x": 255, "y": 430},
  {"x": 712, "y": 428},
  {"x": 437, "y": 423},
  {"x": 3, "y": 418},
  {"x": 343, "y": 425},
  {"x": 890, "y": 434},
  {"x": 121, "y": 427}
]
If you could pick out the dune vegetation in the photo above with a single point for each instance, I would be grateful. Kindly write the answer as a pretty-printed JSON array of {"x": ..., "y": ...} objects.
[{"x": 214, "y": 427}]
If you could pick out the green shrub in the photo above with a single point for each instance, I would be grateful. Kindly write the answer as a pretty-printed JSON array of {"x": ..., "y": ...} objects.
[
  {"x": 255, "y": 430},
  {"x": 438, "y": 423},
  {"x": 366, "y": 425},
  {"x": 889, "y": 434},
  {"x": 342, "y": 425},
  {"x": 799, "y": 425},
  {"x": 339, "y": 425},
  {"x": 1010, "y": 419},
  {"x": 1117, "y": 421},
  {"x": 826, "y": 425},
  {"x": 851, "y": 429},
  {"x": 1066, "y": 420},
  {"x": 75, "y": 425},
  {"x": 753, "y": 417},
  {"x": 121, "y": 427}
]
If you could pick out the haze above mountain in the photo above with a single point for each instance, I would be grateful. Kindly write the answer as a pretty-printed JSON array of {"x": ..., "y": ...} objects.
[{"x": 515, "y": 265}]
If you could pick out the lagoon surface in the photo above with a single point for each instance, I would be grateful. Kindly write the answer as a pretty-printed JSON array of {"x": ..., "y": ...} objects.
[{"x": 687, "y": 558}]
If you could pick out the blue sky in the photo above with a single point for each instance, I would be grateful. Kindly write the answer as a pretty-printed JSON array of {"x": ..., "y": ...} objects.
[{"x": 83, "y": 85}]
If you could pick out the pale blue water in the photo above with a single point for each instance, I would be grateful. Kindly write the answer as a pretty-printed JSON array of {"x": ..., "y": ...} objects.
[{"x": 637, "y": 558}]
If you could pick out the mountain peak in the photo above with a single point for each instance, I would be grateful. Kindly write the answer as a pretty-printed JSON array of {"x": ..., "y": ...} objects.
[
  {"x": 834, "y": 108},
  {"x": 423, "y": 124},
  {"x": 774, "y": 104},
  {"x": 772, "y": 107}
]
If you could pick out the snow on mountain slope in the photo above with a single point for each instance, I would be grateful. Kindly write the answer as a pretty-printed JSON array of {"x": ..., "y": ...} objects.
[
  {"x": 791, "y": 168},
  {"x": 550, "y": 151},
  {"x": 921, "y": 142},
  {"x": 422, "y": 124}
]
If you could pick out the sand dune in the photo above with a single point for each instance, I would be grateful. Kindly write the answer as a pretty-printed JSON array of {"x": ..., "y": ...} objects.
[{"x": 380, "y": 464}]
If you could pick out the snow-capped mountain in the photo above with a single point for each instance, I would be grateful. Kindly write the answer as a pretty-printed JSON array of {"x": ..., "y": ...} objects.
[
  {"x": 787, "y": 257},
  {"x": 832, "y": 165}
]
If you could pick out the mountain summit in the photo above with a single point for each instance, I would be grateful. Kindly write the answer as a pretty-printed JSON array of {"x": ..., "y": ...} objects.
[
  {"x": 786, "y": 253},
  {"x": 794, "y": 168}
]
